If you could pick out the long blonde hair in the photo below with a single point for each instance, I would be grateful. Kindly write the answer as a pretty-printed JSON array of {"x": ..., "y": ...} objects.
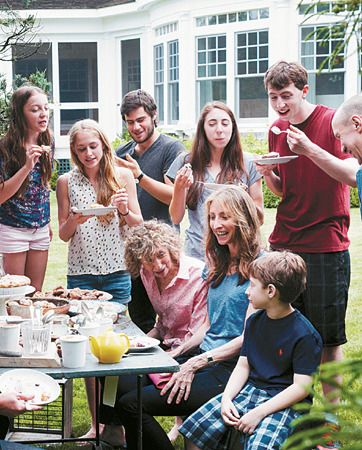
[
  {"x": 237, "y": 204},
  {"x": 108, "y": 182}
]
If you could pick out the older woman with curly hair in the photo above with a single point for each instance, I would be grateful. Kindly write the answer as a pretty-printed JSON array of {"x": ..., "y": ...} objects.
[
  {"x": 173, "y": 283},
  {"x": 177, "y": 291}
]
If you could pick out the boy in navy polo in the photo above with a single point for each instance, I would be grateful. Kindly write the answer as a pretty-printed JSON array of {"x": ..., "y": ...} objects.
[{"x": 281, "y": 351}]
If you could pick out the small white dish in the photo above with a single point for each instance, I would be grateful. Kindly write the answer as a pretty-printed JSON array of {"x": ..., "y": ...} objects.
[
  {"x": 214, "y": 186},
  {"x": 141, "y": 343},
  {"x": 31, "y": 382},
  {"x": 95, "y": 211},
  {"x": 275, "y": 160}
]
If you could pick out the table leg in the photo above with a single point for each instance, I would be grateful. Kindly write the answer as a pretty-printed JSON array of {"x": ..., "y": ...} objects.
[
  {"x": 139, "y": 420},
  {"x": 97, "y": 444}
]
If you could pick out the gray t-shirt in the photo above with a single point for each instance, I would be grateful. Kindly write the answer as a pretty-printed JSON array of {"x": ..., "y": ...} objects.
[
  {"x": 194, "y": 234},
  {"x": 154, "y": 162}
]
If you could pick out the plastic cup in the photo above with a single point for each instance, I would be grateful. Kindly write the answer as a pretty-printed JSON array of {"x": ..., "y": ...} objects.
[
  {"x": 73, "y": 350},
  {"x": 105, "y": 324},
  {"x": 36, "y": 337},
  {"x": 90, "y": 329}
]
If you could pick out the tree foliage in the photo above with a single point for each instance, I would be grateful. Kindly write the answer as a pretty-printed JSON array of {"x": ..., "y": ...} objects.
[
  {"x": 38, "y": 79},
  {"x": 18, "y": 31},
  {"x": 345, "y": 26},
  {"x": 311, "y": 424}
]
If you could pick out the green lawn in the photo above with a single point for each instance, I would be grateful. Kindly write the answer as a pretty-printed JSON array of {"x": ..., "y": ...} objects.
[{"x": 56, "y": 276}]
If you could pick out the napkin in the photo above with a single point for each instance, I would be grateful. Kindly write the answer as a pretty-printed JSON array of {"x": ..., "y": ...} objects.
[
  {"x": 110, "y": 390},
  {"x": 160, "y": 379}
]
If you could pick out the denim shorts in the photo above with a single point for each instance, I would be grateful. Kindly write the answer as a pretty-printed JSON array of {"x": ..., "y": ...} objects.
[
  {"x": 117, "y": 284},
  {"x": 18, "y": 240}
]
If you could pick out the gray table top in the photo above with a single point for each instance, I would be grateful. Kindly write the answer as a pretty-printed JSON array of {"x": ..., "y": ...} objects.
[{"x": 154, "y": 360}]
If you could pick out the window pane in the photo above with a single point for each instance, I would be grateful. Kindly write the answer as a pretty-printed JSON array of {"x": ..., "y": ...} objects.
[
  {"x": 263, "y": 52},
  {"x": 263, "y": 37},
  {"x": 252, "y": 38},
  {"x": 159, "y": 98},
  {"x": 242, "y": 68},
  {"x": 252, "y": 53},
  {"x": 40, "y": 60},
  {"x": 78, "y": 79},
  {"x": 173, "y": 102},
  {"x": 221, "y": 40},
  {"x": 242, "y": 39},
  {"x": 221, "y": 70},
  {"x": 201, "y": 58},
  {"x": 253, "y": 99},
  {"x": 211, "y": 41},
  {"x": 211, "y": 90},
  {"x": 264, "y": 13},
  {"x": 222, "y": 18},
  {"x": 254, "y": 14},
  {"x": 252, "y": 67},
  {"x": 242, "y": 16},
  {"x": 327, "y": 89},
  {"x": 69, "y": 116},
  {"x": 232, "y": 17},
  {"x": 212, "y": 20}
]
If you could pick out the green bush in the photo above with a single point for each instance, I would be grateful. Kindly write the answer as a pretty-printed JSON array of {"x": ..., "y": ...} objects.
[
  {"x": 354, "y": 198},
  {"x": 54, "y": 177},
  {"x": 348, "y": 410}
]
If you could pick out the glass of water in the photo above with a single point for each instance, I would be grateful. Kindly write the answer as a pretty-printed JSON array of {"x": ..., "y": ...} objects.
[{"x": 36, "y": 337}]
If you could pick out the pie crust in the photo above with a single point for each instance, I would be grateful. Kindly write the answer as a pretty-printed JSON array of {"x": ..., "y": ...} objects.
[{"x": 8, "y": 281}]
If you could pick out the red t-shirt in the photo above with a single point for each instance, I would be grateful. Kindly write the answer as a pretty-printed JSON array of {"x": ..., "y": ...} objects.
[{"x": 313, "y": 216}]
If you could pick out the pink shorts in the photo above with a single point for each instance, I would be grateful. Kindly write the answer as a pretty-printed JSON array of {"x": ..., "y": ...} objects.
[{"x": 17, "y": 240}]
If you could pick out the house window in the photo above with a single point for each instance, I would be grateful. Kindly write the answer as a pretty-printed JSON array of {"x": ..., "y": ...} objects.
[
  {"x": 78, "y": 72},
  {"x": 173, "y": 81},
  {"x": 328, "y": 87},
  {"x": 32, "y": 59},
  {"x": 78, "y": 83},
  {"x": 252, "y": 60},
  {"x": 211, "y": 69},
  {"x": 159, "y": 80}
]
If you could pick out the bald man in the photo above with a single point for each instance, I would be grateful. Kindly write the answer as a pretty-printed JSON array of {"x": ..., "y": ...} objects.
[{"x": 347, "y": 126}]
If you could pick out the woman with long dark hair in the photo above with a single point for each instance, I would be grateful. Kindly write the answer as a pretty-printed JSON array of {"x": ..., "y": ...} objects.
[
  {"x": 216, "y": 158},
  {"x": 26, "y": 156}
]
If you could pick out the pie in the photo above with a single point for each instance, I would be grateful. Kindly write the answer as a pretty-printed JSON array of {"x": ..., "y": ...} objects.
[{"x": 8, "y": 281}]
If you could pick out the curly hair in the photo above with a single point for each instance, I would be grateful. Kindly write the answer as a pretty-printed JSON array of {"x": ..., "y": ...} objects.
[
  {"x": 144, "y": 241},
  {"x": 238, "y": 205},
  {"x": 13, "y": 146}
]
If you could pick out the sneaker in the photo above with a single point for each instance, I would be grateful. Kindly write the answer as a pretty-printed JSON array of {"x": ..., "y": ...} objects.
[{"x": 330, "y": 444}]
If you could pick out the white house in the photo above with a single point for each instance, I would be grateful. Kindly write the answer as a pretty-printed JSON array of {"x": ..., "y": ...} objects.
[{"x": 183, "y": 52}]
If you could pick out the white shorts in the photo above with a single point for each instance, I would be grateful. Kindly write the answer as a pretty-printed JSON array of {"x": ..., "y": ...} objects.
[{"x": 18, "y": 240}]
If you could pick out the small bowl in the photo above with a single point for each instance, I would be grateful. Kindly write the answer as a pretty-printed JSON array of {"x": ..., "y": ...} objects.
[{"x": 61, "y": 306}]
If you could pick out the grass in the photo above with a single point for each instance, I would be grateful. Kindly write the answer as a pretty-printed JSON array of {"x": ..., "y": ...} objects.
[{"x": 56, "y": 276}]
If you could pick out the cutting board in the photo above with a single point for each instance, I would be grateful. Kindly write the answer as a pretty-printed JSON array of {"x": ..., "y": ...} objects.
[{"x": 51, "y": 359}]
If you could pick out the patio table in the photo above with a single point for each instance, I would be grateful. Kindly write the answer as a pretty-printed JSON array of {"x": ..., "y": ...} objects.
[{"x": 157, "y": 361}]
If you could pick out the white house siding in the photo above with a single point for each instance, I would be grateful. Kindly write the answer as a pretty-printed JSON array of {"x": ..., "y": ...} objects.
[{"x": 112, "y": 26}]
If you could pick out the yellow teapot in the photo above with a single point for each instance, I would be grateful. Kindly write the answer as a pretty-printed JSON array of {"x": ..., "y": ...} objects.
[{"x": 109, "y": 346}]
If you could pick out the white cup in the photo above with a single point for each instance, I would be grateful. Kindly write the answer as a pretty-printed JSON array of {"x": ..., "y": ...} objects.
[
  {"x": 90, "y": 329},
  {"x": 73, "y": 350},
  {"x": 9, "y": 336},
  {"x": 105, "y": 324}
]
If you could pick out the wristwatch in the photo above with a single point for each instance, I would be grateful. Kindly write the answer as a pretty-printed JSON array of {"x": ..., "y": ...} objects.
[
  {"x": 209, "y": 357},
  {"x": 139, "y": 178}
]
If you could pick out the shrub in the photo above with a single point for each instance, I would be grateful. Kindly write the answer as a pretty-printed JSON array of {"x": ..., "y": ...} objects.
[{"x": 347, "y": 411}]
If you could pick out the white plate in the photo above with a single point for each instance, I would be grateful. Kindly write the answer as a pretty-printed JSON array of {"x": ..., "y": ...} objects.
[
  {"x": 109, "y": 307},
  {"x": 28, "y": 381},
  {"x": 214, "y": 186},
  {"x": 95, "y": 211},
  {"x": 276, "y": 160},
  {"x": 145, "y": 343}
]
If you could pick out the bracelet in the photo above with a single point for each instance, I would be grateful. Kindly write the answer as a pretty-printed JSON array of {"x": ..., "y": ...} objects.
[
  {"x": 123, "y": 215},
  {"x": 209, "y": 357},
  {"x": 139, "y": 178}
]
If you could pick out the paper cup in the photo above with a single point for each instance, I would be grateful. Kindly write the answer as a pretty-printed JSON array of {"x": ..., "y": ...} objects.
[
  {"x": 9, "y": 336},
  {"x": 91, "y": 329},
  {"x": 73, "y": 350}
]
